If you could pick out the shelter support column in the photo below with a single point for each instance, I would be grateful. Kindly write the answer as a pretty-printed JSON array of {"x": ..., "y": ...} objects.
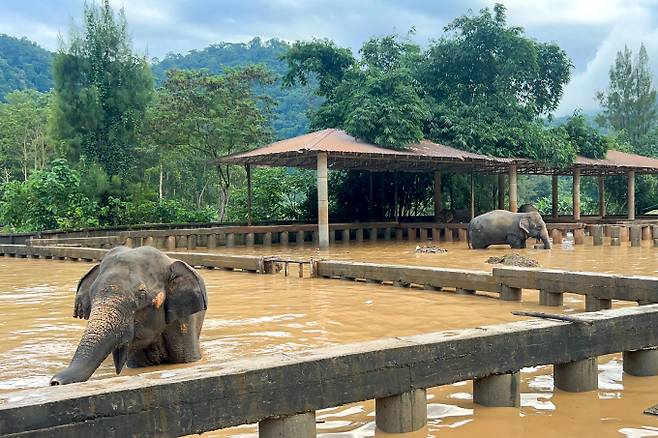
[
  {"x": 554, "y": 196},
  {"x": 395, "y": 198},
  {"x": 501, "y": 191},
  {"x": 249, "y": 195},
  {"x": 576, "y": 194},
  {"x": 437, "y": 195},
  {"x": 513, "y": 201},
  {"x": 602, "y": 196},
  {"x": 471, "y": 207},
  {"x": 323, "y": 201},
  {"x": 631, "y": 195}
]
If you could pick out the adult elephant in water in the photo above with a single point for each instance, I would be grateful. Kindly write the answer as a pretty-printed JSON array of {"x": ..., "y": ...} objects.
[
  {"x": 527, "y": 208},
  {"x": 504, "y": 227},
  {"x": 143, "y": 307}
]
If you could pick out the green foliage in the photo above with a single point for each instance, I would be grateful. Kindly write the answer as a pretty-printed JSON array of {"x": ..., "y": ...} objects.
[
  {"x": 588, "y": 141},
  {"x": 101, "y": 91},
  {"x": 160, "y": 211},
  {"x": 23, "y": 65},
  {"x": 49, "y": 199},
  {"x": 629, "y": 104}
]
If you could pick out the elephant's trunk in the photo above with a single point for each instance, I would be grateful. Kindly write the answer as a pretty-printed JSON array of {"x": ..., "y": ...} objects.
[
  {"x": 545, "y": 239},
  {"x": 108, "y": 330}
]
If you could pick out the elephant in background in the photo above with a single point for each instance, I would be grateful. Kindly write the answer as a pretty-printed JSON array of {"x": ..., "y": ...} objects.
[
  {"x": 527, "y": 208},
  {"x": 504, "y": 227},
  {"x": 461, "y": 215},
  {"x": 143, "y": 307}
]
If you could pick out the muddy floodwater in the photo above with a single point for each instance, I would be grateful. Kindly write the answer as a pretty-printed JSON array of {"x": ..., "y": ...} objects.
[{"x": 251, "y": 314}]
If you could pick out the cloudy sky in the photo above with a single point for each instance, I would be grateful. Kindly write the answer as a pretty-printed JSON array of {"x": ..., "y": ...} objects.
[{"x": 591, "y": 31}]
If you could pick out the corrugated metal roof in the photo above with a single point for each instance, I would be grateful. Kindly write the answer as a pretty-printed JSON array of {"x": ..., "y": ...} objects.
[{"x": 619, "y": 159}]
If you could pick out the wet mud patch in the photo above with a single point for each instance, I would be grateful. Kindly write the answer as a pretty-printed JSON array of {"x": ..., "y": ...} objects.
[{"x": 513, "y": 259}]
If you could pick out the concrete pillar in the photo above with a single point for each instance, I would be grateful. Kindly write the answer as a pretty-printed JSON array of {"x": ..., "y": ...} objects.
[
  {"x": 554, "y": 196},
  {"x": 615, "y": 235},
  {"x": 181, "y": 241},
  {"x": 449, "y": 235},
  {"x": 298, "y": 426},
  {"x": 299, "y": 238},
  {"x": 471, "y": 207},
  {"x": 212, "y": 241},
  {"x": 230, "y": 240},
  {"x": 631, "y": 195},
  {"x": 641, "y": 363},
  {"x": 423, "y": 234},
  {"x": 513, "y": 198},
  {"x": 602, "y": 211},
  {"x": 148, "y": 241},
  {"x": 411, "y": 234},
  {"x": 508, "y": 293},
  {"x": 323, "y": 201},
  {"x": 501, "y": 390},
  {"x": 251, "y": 238},
  {"x": 128, "y": 242},
  {"x": 406, "y": 412},
  {"x": 345, "y": 235},
  {"x": 578, "y": 236},
  {"x": 501, "y": 191},
  {"x": 597, "y": 234},
  {"x": 594, "y": 304},
  {"x": 373, "y": 234},
  {"x": 578, "y": 376},
  {"x": 249, "y": 195},
  {"x": 646, "y": 232},
  {"x": 170, "y": 243},
  {"x": 332, "y": 236},
  {"x": 399, "y": 235},
  {"x": 436, "y": 234},
  {"x": 624, "y": 234},
  {"x": 556, "y": 236},
  {"x": 359, "y": 234},
  {"x": 576, "y": 194},
  {"x": 396, "y": 211},
  {"x": 654, "y": 233},
  {"x": 387, "y": 233},
  {"x": 267, "y": 238},
  {"x": 547, "y": 298},
  {"x": 607, "y": 231},
  {"x": 437, "y": 195},
  {"x": 462, "y": 232},
  {"x": 636, "y": 235},
  {"x": 283, "y": 238},
  {"x": 191, "y": 241}
]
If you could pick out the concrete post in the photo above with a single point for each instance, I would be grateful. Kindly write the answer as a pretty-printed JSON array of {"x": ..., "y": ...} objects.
[
  {"x": 615, "y": 235},
  {"x": 636, "y": 235},
  {"x": 411, "y": 234},
  {"x": 170, "y": 243},
  {"x": 359, "y": 235},
  {"x": 471, "y": 207},
  {"x": 449, "y": 235},
  {"x": 437, "y": 195},
  {"x": 576, "y": 194},
  {"x": 501, "y": 191},
  {"x": 399, "y": 234},
  {"x": 300, "y": 425},
  {"x": 597, "y": 234},
  {"x": 641, "y": 363},
  {"x": 251, "y": 238},
  {"x": 249, "y": 195},
  {"x": 128, "y": 242},
  {"x": 423, "y": 234},
  {"x": 230, "y": 240},
  {"x": 387, "y": 233},
  {"x": 332, "y": 236},
  {"x": 646, "y": 232},
  {"x": 396, "y": 211},
  {"x": 624, "y": 234},
  {"x": 602, "y": 211},
  {"x": 283, "y": 238},
  {"x": 502, "y": 390},
  {"x": 267, "y": 238},
  {"x": 212, "y": 241},
  {"x": 554, "y": 196},
  {"x": 406, "y": 412},
  {"x": 547, "y": 298},
  {"x": 631, "y": 195},
  {"x": 578, "y": 236},
  {"x": 345, "y": 235},
  {"x": 299, "y": 238},
  {"x": 323, "y": 201},
  {"x": 148, "y": 241},
  {"x": 462, "y": 232},
  {"x": 578, "y": 376},
  {"x": 181, "y": 241},
  {"x": 594, "y": 304},
  {"x": 513, "y": 198},
  {"x": 436, "y": 234},
  {"x": 191, "y": 241},
  {"x": 654, "y": 233},
  {"x": 556, "y": 236},
  {"x": 508, "y": 293},
  {"x": 373, "y": 234}
]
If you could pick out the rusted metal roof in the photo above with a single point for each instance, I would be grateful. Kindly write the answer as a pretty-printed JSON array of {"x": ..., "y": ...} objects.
[{"x": 346, "y": 152}]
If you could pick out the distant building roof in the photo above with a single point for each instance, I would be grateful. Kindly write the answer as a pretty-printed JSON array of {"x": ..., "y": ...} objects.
[{"x": 347, "y": 152}]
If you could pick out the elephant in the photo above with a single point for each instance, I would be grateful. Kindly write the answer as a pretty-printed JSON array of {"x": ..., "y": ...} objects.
[
  {"x": 143, "y": 307},
  {"x": 527, "y": 208},
  {"x": 502, "y": 226}
]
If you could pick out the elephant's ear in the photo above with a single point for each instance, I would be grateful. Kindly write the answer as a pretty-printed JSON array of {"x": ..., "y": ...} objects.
[
  {"x": 82, "y": 306},
  {"x": 186, "y": 292},
  {"x": 524, "y": 224}
]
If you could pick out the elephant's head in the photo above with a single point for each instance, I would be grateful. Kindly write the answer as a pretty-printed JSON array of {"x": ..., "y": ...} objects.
[
  {"x": 129, "y": 299},
  {"x": 533, "y": 226}
]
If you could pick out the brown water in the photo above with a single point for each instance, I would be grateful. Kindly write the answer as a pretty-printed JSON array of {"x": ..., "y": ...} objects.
[{"x": 253, "y": 314}]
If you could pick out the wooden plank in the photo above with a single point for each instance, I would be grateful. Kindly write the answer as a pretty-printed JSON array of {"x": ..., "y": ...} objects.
[{"x": 217, "y": 395}]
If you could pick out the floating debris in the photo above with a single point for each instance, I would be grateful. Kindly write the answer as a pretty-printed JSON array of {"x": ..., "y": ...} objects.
[
  {"x": 513, "y": 259},
  {"x": 430, "y": 249}
]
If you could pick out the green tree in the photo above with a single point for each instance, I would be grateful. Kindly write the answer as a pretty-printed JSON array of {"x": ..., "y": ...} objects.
[
  {"x": 629, "y": 104},
  {"x": 101, "y": 91},
  {"x": 214, "y": 115},
  {"x": 24, "y": 143}
]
